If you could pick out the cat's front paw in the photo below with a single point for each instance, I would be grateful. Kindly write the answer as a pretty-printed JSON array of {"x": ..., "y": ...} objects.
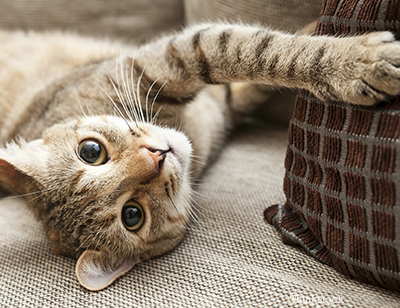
[{"x": 376, "y": 72}]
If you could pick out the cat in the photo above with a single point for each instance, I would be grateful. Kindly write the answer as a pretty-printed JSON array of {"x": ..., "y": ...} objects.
[{"x": 90, "y": 138}]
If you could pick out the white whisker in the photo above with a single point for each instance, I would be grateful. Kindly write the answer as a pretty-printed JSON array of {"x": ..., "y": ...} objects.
[
  {"x": 28, "y": 194},
  {"x": 114, "y": 104},
  {"x": 138, "y": 90},
  {"x": 80, "y": 105},
  {"x": 147, "y": 98},
  {"x": 136, "y": 98},
  {"x": 198, "y": 161},
  {"x": 130, "y": 98},
  {"x": 154, "y": 100},
  {"x": 118, "y": 92},
  {"x": 128, "y": 95},
  {"x": 158, "y": 112}
]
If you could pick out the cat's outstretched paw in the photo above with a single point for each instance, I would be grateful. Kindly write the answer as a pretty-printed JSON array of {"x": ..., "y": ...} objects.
[{"x": 375, "y": 72}]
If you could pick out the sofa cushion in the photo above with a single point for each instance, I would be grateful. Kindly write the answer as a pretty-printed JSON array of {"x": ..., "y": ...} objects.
[
  {"x": 132, "y": 20},
  {"x": 342, "y": 180},
  {"x": 278, "y": 14}
]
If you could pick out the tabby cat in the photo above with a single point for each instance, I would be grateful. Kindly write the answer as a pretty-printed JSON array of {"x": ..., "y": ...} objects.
[{"x": 90, "y": 138}]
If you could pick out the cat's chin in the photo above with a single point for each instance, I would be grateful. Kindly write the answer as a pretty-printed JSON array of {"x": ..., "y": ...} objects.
[{"x": 181, "y": 153}]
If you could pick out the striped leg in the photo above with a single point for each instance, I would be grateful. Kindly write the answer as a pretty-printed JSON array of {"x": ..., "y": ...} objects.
[{"x": 359, "y": 70}]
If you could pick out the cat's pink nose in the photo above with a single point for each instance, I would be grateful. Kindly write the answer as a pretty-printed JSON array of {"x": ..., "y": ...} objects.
[{"x": 158, "y": 157}]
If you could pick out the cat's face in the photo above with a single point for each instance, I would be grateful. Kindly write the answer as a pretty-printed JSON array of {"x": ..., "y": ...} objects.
[{"x": 113, "y": 192}]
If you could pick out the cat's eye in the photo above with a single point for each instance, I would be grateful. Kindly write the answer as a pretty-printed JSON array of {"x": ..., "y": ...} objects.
[
  {"x": 92, "y": 152},
  {"x": 132, "y": 215}
]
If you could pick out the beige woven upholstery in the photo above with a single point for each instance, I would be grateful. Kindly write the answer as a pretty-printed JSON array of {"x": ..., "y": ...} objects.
[
  {"x": 234, "y": 259},
  {"x": 136, "y": 20},
  {"x": 287, "y": 15}
]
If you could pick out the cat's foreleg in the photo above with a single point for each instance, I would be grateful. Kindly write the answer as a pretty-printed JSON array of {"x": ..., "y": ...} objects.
[{"x": 360, "y": 70}]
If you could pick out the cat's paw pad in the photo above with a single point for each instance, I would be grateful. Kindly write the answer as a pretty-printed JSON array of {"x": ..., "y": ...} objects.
[
  {"x": 378, "y": 70},
  {"x": 380, "y": 81}
]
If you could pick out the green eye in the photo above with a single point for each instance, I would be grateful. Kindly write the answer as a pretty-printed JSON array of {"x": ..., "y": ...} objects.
[
  {"x": 92, "y": 152},
  {"x": 132, "y": 215}
]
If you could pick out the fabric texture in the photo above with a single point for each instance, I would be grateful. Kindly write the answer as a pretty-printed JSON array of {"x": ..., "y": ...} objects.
[
  {"x": 131, "y": 20},
  {"x": 343, "y": 169},
  {"x": 288, "y": 15}
]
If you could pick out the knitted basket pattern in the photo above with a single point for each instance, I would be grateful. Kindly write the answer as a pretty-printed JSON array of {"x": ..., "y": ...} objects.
[{"x": 342, "y": 180}]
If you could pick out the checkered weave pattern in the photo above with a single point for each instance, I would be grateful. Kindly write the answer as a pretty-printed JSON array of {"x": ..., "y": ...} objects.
[{"x": 342, "y": 164}]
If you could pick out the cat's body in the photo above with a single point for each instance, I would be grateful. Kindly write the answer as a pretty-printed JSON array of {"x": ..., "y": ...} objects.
[
  {"x": 29, "y": 83},
  {"x": 56, "y": 92}
]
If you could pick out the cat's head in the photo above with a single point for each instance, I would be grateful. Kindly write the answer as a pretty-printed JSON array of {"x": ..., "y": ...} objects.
[{"x": 109, "y": 192}]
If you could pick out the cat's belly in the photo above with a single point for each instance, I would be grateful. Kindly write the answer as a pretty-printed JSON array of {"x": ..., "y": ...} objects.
[{"x": 206, "y": 123}]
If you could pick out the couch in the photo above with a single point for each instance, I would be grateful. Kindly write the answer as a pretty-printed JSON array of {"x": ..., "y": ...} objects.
[{"x": 231, "y": 257}]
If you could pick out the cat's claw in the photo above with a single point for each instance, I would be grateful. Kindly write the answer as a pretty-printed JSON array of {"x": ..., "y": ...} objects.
[{"x": 376, "y": 72}]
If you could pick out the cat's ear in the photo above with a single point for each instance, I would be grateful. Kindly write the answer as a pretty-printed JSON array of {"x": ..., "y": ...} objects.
[
  {"x": 12, "y": 179},
  {"x": 21, "y": 165},
  {"x": 96, "y": 270}
]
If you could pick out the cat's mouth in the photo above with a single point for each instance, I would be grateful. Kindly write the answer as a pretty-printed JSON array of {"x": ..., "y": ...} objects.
[
  {"x": 178, "y": 154},
  {"x": 173, "y": 152}
]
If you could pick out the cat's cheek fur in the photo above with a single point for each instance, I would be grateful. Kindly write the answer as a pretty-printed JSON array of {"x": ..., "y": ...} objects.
[{"x": 96, "y": 269}]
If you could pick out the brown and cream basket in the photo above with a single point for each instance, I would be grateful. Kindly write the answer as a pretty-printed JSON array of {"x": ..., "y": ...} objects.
[{"x": 342, "y": 180}]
